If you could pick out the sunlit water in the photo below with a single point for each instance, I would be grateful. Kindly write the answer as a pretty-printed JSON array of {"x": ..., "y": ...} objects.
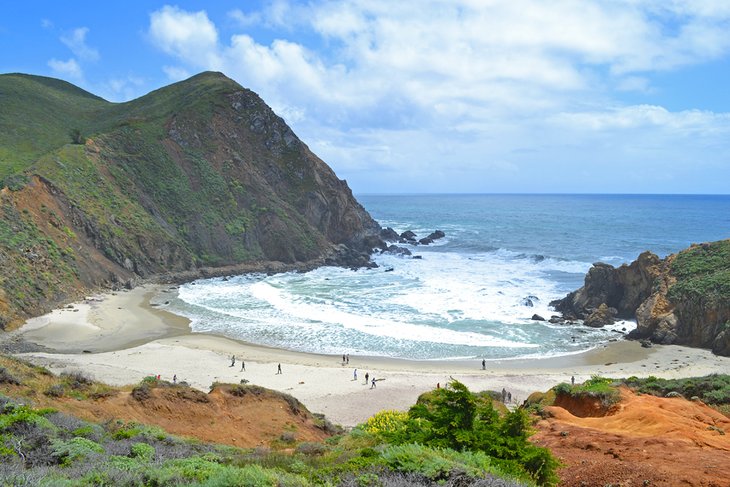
[{"x": 473, "y": 293}]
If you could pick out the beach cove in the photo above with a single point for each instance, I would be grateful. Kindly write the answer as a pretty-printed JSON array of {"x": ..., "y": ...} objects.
[{"x": 119, "y": 338}]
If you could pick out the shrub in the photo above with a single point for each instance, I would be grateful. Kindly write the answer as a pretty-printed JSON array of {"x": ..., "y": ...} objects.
[
  {"x": 56, "y": 390},
  {"x": 67, "y": 452},
  {"x": 76, "y": 380},
  {"x": 143, "y": 451},
  {"x": 312, "y": 449},
  {"x": 387, "y": 423},
  {"x": 7, "y": 378},
  {"x": 76, "y": 136}
]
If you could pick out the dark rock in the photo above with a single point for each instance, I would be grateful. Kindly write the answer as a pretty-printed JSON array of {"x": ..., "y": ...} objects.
[
  {"x": 530, "y": 301},
  {"x": 600, "y": 317},
  {"x": 646, "y": 343},
  {"x": 425, "y": 241},
  {"x": 395, "y": 250},
  {"x": 437, "y": 234},
  {"x": 418, "y": 257},
  {"x": 556, "y": 320},
  {"x": 408, "y": 235},
  {"x": 389, "y": 235},
  {"x": 537, "y": 317},
  {"x": 389, "y": 269}
]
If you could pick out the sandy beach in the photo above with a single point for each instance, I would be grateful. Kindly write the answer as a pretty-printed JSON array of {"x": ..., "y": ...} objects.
[{"x": 119, "y": 338}]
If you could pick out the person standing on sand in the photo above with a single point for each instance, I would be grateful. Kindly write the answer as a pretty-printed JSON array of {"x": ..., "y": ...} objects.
[
  {"x": 572, "y": 380},
  {"x": 174, "y": 379},
  {"x": 243, "y": 366},
  {"x": 233, "y": 361},
  {"x": 354, "y": 374},
  {"x": 278, "y": 369},
  {"x": 484, "y": 364},
  {"x": 367, "y": 374},
  {"x": 504, "y": 395},
  {"x": 347, "y": 358},
  {"x": 372, "y": 384}
]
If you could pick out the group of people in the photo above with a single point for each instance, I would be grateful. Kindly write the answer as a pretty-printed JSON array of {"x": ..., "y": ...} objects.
[
  {"x": 367, "y": 377},
  {"x": 243, "y": 365}
]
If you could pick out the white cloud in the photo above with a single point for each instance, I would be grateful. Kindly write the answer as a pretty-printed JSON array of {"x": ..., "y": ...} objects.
[
  {"x": 243, "y": 19},
  {"x": 192, "y": 37},
  {"x": 176, "y": 73},
  {"x": 504, "y": 80},
  {"x": 66, "y": 69},
  {"x": 76, "y": 41}
]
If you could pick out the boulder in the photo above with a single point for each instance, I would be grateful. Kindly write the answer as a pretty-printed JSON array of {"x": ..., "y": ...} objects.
[
  {"x": 395, "y": 250},
  {"x": 389, "y": 235},
  {"x": 600, "y": 317},
  {"x": 408, "y": 236},
  {"x": 425, "y": 241},
  {"x": 537, "y": 317},
  {"x": 436, "y": 234}
]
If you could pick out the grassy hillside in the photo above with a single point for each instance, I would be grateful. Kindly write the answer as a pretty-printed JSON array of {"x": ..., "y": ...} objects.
[
  {"x": 37, "y": 116},
  {"x": 200, "y": 173}
]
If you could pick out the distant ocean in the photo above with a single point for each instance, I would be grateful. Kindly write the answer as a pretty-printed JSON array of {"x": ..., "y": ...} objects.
[{"x": 504, "y": 258}]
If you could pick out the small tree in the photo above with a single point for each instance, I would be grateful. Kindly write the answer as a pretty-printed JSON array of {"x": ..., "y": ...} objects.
[{"x": 76, "y": 136}]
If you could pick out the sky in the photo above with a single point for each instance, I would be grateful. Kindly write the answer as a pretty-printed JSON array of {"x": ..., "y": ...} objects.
[{"x": 425, "y": 96}]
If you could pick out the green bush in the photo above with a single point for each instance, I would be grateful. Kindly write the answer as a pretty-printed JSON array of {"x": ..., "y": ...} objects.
[
  {"x": 454, "y": 418},
  {"x": 76, "y": 448},
  {"x": 713, "y": 389},
  {"x": 143, "y": 451}
]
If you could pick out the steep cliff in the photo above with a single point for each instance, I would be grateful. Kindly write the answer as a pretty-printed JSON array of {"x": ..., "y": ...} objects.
[
  {"x": 199, "y": 174},
  {"x": 682, "y": 299}
]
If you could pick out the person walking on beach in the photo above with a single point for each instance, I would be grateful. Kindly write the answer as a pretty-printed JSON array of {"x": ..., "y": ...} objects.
[
  {"x": 354, "y": 374},
  {"x": 572, "y": 380},
  {"x": 243, "y": 366},
  {"x": 372, "y": 383},
  {"x": 347, "y": 358},
  {"x": 504, "y": 395},
  {"x": 509, "y": 397},
  {"x": 343, "y": 359},
  {"x": 174, "y": 379},
  {"x": 233, "y": 361},
  {"x": 484, "y": 364},
  {"x": 367, "y": 374},
  {"x": 278, "y": 369}
]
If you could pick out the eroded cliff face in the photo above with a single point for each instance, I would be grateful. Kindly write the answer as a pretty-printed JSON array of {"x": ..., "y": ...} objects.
[
  {"x": 197, "y": 176},
  {"x": 683, "y": 299}
]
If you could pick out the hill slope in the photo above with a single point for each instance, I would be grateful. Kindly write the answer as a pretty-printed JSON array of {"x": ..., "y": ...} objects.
[{"x": 195, "y": 175}]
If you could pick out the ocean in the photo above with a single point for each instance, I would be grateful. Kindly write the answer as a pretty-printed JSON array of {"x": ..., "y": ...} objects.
[{"x": 473, "y": 293}]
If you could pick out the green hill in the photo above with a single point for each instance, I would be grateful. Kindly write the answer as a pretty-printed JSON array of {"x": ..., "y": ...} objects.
[{"x": 197, "y": 174}]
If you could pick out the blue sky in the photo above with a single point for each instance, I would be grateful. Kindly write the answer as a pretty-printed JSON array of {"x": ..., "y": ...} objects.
[{"x": 525, "y": 96}]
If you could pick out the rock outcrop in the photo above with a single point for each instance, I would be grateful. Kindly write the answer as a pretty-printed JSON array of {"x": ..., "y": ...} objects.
[
  {"x": 682, "y": 299},
  {"x": 198, "y": 175}
]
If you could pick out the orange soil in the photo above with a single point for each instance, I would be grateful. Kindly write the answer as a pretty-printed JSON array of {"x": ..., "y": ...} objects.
[
  {"x": 249, "y": 421},
  {"x": 644, "y": 440}
]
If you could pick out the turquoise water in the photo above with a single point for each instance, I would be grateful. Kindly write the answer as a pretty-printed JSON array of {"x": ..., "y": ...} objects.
[{"x": 468, "y": 295}]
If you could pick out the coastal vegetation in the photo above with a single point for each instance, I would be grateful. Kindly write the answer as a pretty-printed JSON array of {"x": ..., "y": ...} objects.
[
  {"x": 451, "y": 436},
  {"x": 713, "y": 390}
]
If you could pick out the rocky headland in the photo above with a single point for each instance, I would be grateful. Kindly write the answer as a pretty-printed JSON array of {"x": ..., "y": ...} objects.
[
  {"x": 683, "y": 299},
  {"x": 196, "y": 179}
]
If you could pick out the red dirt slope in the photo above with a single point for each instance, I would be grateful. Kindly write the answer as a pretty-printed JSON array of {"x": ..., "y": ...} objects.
[{"x": 644, "y": 440}]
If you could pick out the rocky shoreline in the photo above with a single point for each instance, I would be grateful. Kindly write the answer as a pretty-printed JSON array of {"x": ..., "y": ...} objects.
[{"x": 683, "y": 299}]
